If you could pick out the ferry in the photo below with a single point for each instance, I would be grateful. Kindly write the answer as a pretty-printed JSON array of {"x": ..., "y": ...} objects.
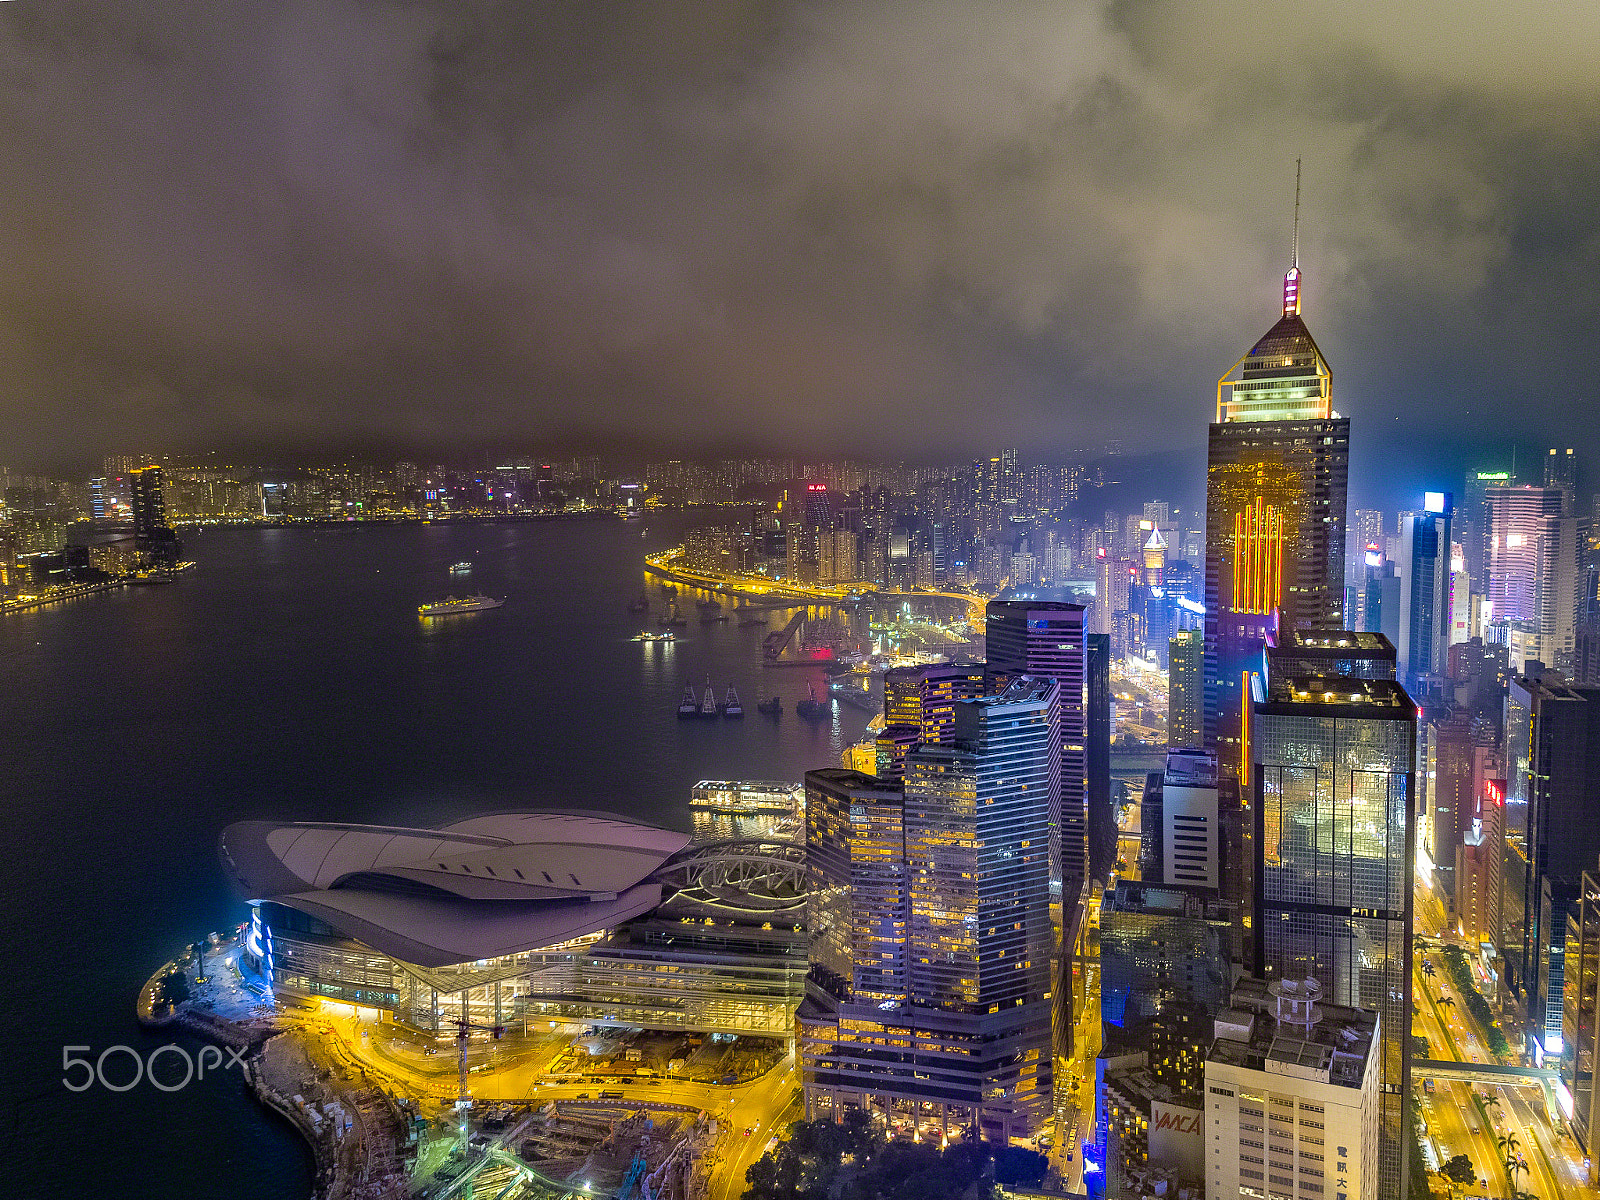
[
  {"x": 461, "y": 568},
  {"x": 450, "y": 606},
  {"x": 668, "y": 636},
  {"x": 731, "y": 706}
]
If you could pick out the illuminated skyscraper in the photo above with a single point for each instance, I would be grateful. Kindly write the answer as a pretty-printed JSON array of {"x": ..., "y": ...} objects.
[
  {"x": 1275, "y": 514},
  {"x": 152, "y": 536},
  {"x": 1335, "y": 841},
  {"x": 1046, "y": 639},
  {"x": 1515, "y": 518},
  {"x": 1425, "y": 595},
  {"x": 925, "y": 696},
  {"x": 1186, "y": 665},
  {"x": 935, "y": 946}
]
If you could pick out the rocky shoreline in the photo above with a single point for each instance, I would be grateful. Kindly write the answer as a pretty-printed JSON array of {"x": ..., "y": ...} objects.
[{"x": 355, "y": 1132}]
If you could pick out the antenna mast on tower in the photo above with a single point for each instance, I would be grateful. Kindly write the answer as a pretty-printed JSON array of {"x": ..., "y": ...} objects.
[
  {"x": 1296, "y": 250},
  {"x": 1291, "y": 279}
]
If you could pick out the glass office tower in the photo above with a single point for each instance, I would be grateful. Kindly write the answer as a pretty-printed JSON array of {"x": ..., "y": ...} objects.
[
  {"x": 1047, "y": 639},
  {"x": 1275, "y": 514},
  {"x": 932, "y": 994},
  {"x": 1335, "y": 845}
]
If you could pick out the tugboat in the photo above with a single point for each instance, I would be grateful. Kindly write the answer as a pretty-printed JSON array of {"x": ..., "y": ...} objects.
[
  {"x": 672, "y": 619},
  {"x": 811, "y": 708},
  {"x": 642, "y": 604},
  {"x": 770, "y": 708},
  {"x": 731, "y": 706},
  {"x": 708, "y": 706},
  {"x": 689, "y": 706}
]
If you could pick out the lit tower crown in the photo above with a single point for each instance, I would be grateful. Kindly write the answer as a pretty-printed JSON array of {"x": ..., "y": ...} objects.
[{"x": 1284, "y": 377}]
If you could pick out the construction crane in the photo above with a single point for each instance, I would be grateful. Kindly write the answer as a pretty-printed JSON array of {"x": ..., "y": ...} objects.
[{"x": 464, "y": 1030}]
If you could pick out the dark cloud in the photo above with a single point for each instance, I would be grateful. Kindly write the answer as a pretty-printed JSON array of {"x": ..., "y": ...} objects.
[{"x": 896, "y": 228}]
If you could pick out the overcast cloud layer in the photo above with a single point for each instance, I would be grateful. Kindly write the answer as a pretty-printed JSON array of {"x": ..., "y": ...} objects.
[{"x": 896, "y": 229}]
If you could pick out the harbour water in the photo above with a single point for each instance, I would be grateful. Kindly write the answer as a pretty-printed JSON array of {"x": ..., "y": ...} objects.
[{"x": 288, "y": 676}]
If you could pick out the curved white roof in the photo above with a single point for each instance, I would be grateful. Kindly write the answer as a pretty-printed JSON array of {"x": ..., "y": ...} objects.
[{"x": 493, "y": 885}]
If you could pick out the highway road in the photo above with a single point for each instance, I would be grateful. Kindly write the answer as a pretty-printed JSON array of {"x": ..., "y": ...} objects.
[{"x": 1473, "y": 1118}]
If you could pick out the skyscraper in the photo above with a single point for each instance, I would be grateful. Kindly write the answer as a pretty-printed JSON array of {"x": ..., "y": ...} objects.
[
  {"x": 1425, "y": 595},
  {"x": 1275, "y": 513},
  {"x": 1562, "y": 782},
  {"x": 925, "y": 696},
  {"x": 1186, "y": 668},
  {"x": 1334, "y": 846},
  {"x": 1046, "y": 639},
  {"x": 1515, "y": 517},
  {"x": 936, "y": 947},
  {"x": 152, "y": 536}
]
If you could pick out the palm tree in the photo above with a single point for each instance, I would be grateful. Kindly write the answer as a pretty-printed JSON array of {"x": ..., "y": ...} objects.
[
  {"x": 1444, "y": 1000},
  {"x": 1513, "y": 1168},
  {"x": 1508, "y": 1144}
]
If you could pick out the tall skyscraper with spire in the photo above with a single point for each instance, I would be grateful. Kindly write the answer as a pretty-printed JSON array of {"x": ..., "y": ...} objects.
[{"x": 1275, "y": 533}]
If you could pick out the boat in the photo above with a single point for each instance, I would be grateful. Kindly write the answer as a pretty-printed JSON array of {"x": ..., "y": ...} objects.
[
  {"x": 708, "y": 706},
  {"x": 150, "y": 577},
  {"x": 671, "y": 619},
  {"x": 668, "y": 636},
  {"x": 709, "y": 618},
  {"x": 731, "y": 706},
  {"x": 770, "y": 708},
  {"x": 461, "y": 568},
  {"x": 450, "y": 606},
  {"x": 708, "y": 606},
  {"x": 689, "y": 706},
  {"x": 746, "y": 622},
  {"x": 642, "y": 604},
  {"x": 811, "y": 708}
]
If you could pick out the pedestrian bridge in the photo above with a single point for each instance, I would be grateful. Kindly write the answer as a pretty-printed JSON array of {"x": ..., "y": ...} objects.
[
  {"x": 1471, "y": 1072},
  {"x": 1494, "y": 1075}
]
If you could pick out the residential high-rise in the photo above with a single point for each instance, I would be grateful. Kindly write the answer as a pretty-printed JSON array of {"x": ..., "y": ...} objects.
[
  {"x": 937, "y": 950},
  {"x": 1334, "y": 846},
  {"x": 155, "y": 540},
  {"x": 1186, "y": 709},
  {"x": 1047, "y": 639},
  {"x": 1275, "y": 514}
]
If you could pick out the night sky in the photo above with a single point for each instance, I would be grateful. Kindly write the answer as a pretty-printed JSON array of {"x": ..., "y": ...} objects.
[{"x": 907, "y": 229}]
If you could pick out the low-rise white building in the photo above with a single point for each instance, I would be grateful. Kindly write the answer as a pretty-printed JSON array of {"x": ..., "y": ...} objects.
[{"x": 1291, "y": 1097}]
